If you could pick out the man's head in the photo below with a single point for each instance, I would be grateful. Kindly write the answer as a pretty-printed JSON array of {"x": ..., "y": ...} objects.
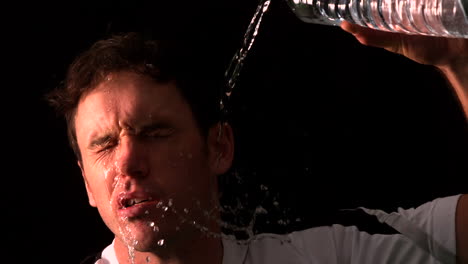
[
  {"x": 162, "y": 60},
  {"x": 143, "y": 125}
]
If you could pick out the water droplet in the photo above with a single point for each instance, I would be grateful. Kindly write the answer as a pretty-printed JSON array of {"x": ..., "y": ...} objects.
[
  {"x": 151, "y": 224},
  {"x": 236, "y": 63},
  {"x": 160, "y": 242},
  {"x": 221, "y": 105},
  {"x": 169, "y": 203},
  {"x": 146, "y": 212},
  {"x": 165, "y": 208},
  {"x": 186, "y": 210},
  {"x": 148, "y": 259},
  {"x": 260, "y": 210}
]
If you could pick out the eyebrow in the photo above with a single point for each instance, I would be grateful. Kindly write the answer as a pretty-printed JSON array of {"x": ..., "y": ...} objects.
[{"x": 99, "y": 140}]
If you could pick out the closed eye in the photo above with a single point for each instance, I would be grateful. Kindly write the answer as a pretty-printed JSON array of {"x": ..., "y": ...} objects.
[
  {"x": 103, "y": 143},
  {"x": 159, "y": 130}
]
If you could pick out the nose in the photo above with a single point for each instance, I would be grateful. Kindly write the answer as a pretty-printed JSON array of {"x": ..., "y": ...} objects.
[{"x": 131, "y": 157}]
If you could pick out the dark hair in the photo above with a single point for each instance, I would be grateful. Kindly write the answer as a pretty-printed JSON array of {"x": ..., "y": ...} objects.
[{"x": 197, "y": 77}]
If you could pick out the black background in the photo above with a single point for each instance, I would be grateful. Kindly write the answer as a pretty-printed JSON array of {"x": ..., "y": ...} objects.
[{"x": 321, "y": 120}]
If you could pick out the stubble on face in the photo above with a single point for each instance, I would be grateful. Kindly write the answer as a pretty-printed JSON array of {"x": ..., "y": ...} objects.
[{"x": 114, "y": 114}]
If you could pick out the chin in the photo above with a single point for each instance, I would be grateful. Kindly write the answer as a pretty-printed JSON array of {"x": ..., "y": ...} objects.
[
  {"x": 146, "y": 245},
  {"x": 145, "y": 237},
  {"x": 138, "y": 234},
  {"x": 158, "y": 244}
]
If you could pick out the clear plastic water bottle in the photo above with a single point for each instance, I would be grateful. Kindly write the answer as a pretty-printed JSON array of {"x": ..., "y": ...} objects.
[{"x": 447, "y": 18}]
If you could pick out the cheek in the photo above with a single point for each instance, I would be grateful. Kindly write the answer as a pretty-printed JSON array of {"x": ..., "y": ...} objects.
[
  {"x": 184, "y": 159},
  {"x": 185, "y": 168},
  {"x": 103, "y": 179},
  {"x": 188, "y": 153}
]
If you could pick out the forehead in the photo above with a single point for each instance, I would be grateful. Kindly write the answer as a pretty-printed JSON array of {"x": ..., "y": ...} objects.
[
  {"x": 129, "y": 98},
  {"x": 131, "y": 92}
]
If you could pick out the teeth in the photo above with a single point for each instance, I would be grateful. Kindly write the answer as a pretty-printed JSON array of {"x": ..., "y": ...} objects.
[
  {"x": 132, "y": 202},
  {"x": 139, "y": 200}
]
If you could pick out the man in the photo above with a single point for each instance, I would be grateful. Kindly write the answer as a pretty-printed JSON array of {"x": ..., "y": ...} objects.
[
  {"x": 150, "y": 151},
  {"x": 149, "y": 164}
]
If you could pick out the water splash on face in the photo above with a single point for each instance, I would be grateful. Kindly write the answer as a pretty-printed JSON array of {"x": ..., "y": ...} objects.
[
  {"x": 118, "y": 184},
  {"x": 185, "y": 214},
  {"x": 160, "y": 242},
  {"x": 153, "y": 226},
  {"x": 129, "y": 240},
  {"x": 106, "y": 172}
]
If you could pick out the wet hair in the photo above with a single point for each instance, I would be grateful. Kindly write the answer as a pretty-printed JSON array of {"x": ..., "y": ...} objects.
[{"x": 164, "y": 60}]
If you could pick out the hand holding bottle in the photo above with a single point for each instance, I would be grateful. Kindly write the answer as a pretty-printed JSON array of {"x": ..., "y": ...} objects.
[
  {"x": 437, "y": 51},
  {"x": 450, "y": 55}
]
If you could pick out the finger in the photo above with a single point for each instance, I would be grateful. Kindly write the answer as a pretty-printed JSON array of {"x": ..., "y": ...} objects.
[{"x": 372, "y": 37}]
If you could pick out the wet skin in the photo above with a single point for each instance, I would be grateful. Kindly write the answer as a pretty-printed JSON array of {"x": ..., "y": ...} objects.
[{"x": 147, "y": 167}]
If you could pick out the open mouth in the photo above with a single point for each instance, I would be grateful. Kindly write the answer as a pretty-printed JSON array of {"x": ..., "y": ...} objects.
[
  {"x": 132, "y": 202},
  {"x": 136, "y": 204},
  {"x": 126, "y": 202}
]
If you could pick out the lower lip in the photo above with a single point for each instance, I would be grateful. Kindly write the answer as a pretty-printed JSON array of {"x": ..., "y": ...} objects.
[{"x": 137, "y": 210}]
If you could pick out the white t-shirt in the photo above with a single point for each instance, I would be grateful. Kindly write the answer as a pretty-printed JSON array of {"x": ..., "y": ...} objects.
[{"x": 425, "y": 234}]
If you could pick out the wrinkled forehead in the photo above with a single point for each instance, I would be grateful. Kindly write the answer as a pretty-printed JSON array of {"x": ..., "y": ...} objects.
[
  {"x": 131, "y": 99},
  {"x": 133, "y": 93}
]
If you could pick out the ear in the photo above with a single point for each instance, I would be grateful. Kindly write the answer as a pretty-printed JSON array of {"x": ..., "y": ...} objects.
[
  {"x": 220, "y": 148},
  {"x": 91, "y": 200}
]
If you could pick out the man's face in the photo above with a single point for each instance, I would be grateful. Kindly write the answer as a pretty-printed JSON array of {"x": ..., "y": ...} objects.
[{"x": 147, "y": 168}]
